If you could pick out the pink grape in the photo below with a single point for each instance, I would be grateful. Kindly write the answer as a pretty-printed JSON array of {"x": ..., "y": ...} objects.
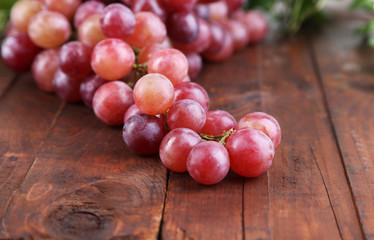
[
  {"x": 239, "y": 33},
  {"x": 44, "y": 68},
  {"x": 117, "y": 21},
  {"x": 234, "y": 5},
  {"x": 202, "y": 10},
  {"x": 88, "y": 88},
  {"x": 263, "y": 122},
  {"x": 217, "y": 122},
  {"x": 179, "y": 5},
  {"x": 147, "y": 52},
  {"x": 74, "y": 59},
  {"x": 154, "y": 94},
  {"x": 86, "y": 10},
  {"x": 111, "y": 101},
  {"x": 22, "y": 12},
  {"x": 176, "y": 146},
  {"x": 183, "y": 27},
  {"x": 186, "y": 113},
  {"x": 169, "y": 62},
  {"x": 112, "y": 59},
  {"x": 208, "y": 162},
  {"x": 251, "y": 152},
  {"x": 143, "y": 133},
  {"x": 65, "y": 7},
  {"x": 67, "y": 88},
  {"x": 194, "y": 91},
  {"x": 195, "y": 64},
  {"x": 89, "y": 31},
  {"x": 225, "y": 52},
  {"x": 218, "y": 11},
  {"x": 153, "y": 6},
  {"x": 256, "y": 25},
  {"x": 133, "y": 109}
]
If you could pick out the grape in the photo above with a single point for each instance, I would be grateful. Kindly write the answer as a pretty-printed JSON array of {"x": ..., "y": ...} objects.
[
  {"x": 234, "y": 5},
  {"x": 180, "y": 5},
  {"x": 149, "y": 29},
  {"x": 256, "y": 25},
  {"x": 225, "y": 52},
  {"x": 183, "y": 27},
  {"x": 117, "y": 21},
  {"x": 202, "y": 41},
  {"x": 218, "y": 11},
  {"x": 176, "y": 146},
  {"x": 49, "y": 29},
  {"x": 143, "y": 133},
  {"x": 263, "y": 122},
  {"x": 169, "y": 62},
  {"x": 22, "y": 12},
  {"x": 153, "y": 94},
  {"x": 112, "y": 59},
  {"x": 88, "y": 88},
  {"x": 153, "y": 6},
  {"x": 133, "y": 109},
  {"x": 111, "y": 101},
  {"x": 74, "y": 59},
  {"x": 195, "y": 64},
  {"x": 65, "y": 7},
  {"x": 251, "y": 152},
  {"x": 191, "y": 90},
  {"x": 44, "y": 68},
  {"x": 148, "y": 51},
  {"x": 239, "y": 33},
  {"x": 89, "y": 32},
  {"x": 217, "y": 39},
  {"x": 186, "y": 113},
  {"x": 86, "y": 10},
  {"x": 202, "y": 10},
  {"x": 218, "y": 122},
  {"x": 67, "y": 88},
  {"x": 18, "y": 51},
  {"x": 208, "y": 162}
]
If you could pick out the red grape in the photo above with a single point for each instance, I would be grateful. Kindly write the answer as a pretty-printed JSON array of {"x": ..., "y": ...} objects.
[
  {"x": 218, "y": 11},
  {"x": 112, "y": 59},
  {"x": 154, "y": 94},
  {"x": 263, "y": 122},
  {"x": 208, "y": 162},
  {"x": 256, "y": 25},
  {"x": 183, "y": 27},
  {"x": 143, "y": 133},
  {"x": 67, "y": 88},
  {"x": 191, "y": 90},
  {"x": 111, "y": 101},
  {"x": 180, "y": 5},
  {"x": 44, "y": 68},
  {"x": 117, "y": 21},
  {"x": 239, "y": 33},
  {"x": 217, "y": 122},
  {"x": 176, "y": 146},
  {"x": 153, "y": 6},
  {"x": 224, "y": 53},
  {"x": 74, "y": 59},
  {"x": 195, "y": 64},
  {"x": 88, "y": 88},
  {"x": 65, "y": 7},
  {"x": 202, "y": 10},
  {"x": 146, "y": 53},
  {"x": 251, "y": 152},
  {"x": 86, "y": 10},
  {"x": 89, "y": 32},
  {"x": 133, "y": 109},
  {"x": 22, "y": 12}
]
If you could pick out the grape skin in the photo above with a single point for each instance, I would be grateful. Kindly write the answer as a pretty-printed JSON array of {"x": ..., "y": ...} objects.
[
  {"x": 88, "y": 88},
  {"x": 117, "y": 21},
  {"x": 44, "y": 68},
  {"x": 218, "y": 122},
  {"x": 194, "y": 91},
  {"x": 67, "y": 88}
]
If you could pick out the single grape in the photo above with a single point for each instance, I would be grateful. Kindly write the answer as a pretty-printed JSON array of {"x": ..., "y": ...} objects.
[
  {"x": 112, "y": 59},
  {"x": 251, "y": 152},
  {"x": 224, "y": 53},
  {"x": 203, "y": 11},
  {"x": 133, "y": 109},
  {"x": 67, "y": 88},
  {"x": 256, "y": 25},
  {"x": 149, "y": 29},
  {"x": 179, "y": 5},
  {"x": 86, "y": 10},
  {"x": 186, "y": 113},
  {"x": 263, "y": 122},
  {"x": 171, "y": 63},
  {"x": 218, "y": 122},
  {"x": 146, "y": 53},
  {"x": 18, "y": 51},
  {"x": 195, "y": 64},
  {"x": 89, "y": 31},
  {"x": 194, "y": 91},
  {"x": 44, "y": 68},
  {"x": 239, "y": 33},
  {"x": 218, "y": 11},
  {"x": 65, "y": 7},
  {"x": 217, "y": 39},
  {"x": 22, "y": 12},
  {"x": 202, "y": 41},
  {"x": 111, "y": 101},
  {"x": 117, "y": 21},
  {"x": 88, "y": 88},
  {"x": 154, "y": 94},
  {"x": 183, "y": 27},
  {"x": 143, "y": 133},
  {"x": 176, "y": 146},
  {"x": 49, "y": 29},
  {"x": 75, "y": 59},
  {"x": 153, "y": 6},
  {"x": 208, "y": 162}
]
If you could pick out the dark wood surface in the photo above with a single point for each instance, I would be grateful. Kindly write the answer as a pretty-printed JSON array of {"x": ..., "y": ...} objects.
[{"x": 65, "y": 175}]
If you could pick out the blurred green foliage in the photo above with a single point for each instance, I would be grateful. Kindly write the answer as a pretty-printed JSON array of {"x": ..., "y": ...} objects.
[
  {"x": 5, "y": 6},
  {"x": 366, "y": 30}
]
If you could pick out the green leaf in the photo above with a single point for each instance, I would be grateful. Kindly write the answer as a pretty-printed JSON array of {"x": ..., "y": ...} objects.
[
  {"x": 362, "y": 4},
  {"x": 371, "y": 41}
]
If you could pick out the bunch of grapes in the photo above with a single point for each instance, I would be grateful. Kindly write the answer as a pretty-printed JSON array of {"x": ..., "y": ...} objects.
[{"x": 132, "y": 61}]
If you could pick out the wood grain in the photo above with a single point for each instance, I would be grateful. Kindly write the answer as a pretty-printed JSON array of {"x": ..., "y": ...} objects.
[
  {"x": 6, "y": 78},
  {"x": 27, "y": 116},
  {"x": 85, "y": 183},
  {"x": 346, "y": 70}
]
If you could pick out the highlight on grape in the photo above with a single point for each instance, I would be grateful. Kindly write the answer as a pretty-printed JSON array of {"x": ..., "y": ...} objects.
[{"x": 132, "y": 62}]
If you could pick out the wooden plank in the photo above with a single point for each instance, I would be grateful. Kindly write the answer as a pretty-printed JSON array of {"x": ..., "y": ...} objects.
[
  {"x": 85, "y": 183},
  {"x": 346, "y": 70},
  {"x": 6, "y": 78},
  {"x": 306, "y": 195},
  {"x": 194, "y": 211},
  {"x": 27, "y": 116}
]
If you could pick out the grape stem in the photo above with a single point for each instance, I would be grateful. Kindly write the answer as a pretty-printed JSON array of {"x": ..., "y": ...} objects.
[{"x": 220, "y": 138}]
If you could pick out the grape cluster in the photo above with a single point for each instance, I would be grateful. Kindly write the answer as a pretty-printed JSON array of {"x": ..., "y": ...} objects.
[{"x": 132, "y": 62}]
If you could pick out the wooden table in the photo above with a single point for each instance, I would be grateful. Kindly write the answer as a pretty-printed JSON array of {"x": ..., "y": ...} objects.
[{"x": 65, "y": 175}]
